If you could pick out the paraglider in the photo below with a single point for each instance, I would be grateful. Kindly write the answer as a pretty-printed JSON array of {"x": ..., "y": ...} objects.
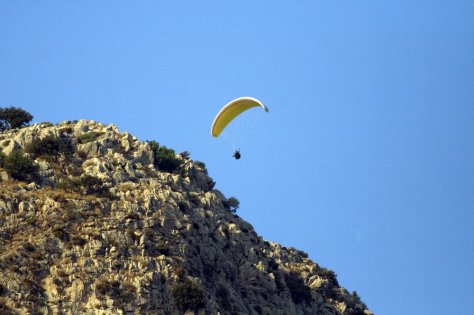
[
  {"x": 229, "y": 112},
  {"x": 236, "y": 154}
]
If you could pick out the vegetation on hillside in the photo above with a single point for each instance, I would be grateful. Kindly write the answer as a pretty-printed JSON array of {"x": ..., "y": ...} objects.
[
  {"x": 165, "y": 158},
  {"x": 19, "y": 166},
  {"x": 49, "y": 148}
]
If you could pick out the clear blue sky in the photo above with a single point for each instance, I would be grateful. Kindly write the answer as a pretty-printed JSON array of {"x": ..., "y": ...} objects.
[{"x": 366, "y": 159}]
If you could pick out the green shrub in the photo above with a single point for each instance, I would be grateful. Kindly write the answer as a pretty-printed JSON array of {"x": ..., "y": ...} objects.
[
  {"x": 355, "y": 305},
  {"x": 14, "y": 117},
  {"x": 188, "y": 296},
  {"x": 154, "y": 145},
  {"x": 69, "y": 185},
  {"x": 299, "y": 252},
  {"x": 19, "y": 166},
  {"x": 299, "y": 291},
  {"x": 74, "y": 169},
  {"x": 89, "y": 137},
  {"x": 106, "y": 287},
  {"x": 78, "y": 240},
  {"x": 231, "y": 204},
  {"x": 327, "y": 274},
  {"x": 200, "y": 164},
  {"x": 50, "y": 146},
  {"x": 87, "y": 184},
  {"x": 165, "y": 158},
  {"x": 355, "y": 298},
  {"x": 93, "y": 185},
  {"x": 127, "y": 292},
  {"x": 185, "y": 155},
  {"x": 123, "y": 292}
]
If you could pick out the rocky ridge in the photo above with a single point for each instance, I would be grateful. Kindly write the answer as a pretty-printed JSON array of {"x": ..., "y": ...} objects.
[{"x": 159, "y": 243}]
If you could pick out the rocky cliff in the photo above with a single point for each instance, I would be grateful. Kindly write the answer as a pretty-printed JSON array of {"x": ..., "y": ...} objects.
[{"x": 136, "y": 238}]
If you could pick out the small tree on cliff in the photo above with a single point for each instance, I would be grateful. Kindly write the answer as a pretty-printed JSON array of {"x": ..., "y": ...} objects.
[
  {"x": 232, "y": 204},
  {"x": 13, "y": 117},
  {"x": 165, "y": 158}
]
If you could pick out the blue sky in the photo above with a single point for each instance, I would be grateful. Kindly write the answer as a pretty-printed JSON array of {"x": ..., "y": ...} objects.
[{"x": 366, "y": 158}]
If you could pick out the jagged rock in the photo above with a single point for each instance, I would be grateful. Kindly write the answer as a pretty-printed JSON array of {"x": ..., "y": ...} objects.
[
  {"x": 4, "y": 177},
  {"x": 8, "y": 146},
  {"x": 147, "y": 245},
  {"x": 92, "y": 149}
]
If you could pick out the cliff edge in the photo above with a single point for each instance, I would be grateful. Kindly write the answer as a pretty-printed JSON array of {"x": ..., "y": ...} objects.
[{"x": 101, "y": 223}]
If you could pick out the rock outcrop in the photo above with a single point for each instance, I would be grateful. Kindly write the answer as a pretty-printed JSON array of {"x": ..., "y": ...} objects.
[{"x": 155, "y": 243}]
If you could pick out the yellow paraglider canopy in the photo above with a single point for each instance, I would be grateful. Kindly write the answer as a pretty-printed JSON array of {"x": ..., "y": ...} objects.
[{"x": 232, "y": 110}]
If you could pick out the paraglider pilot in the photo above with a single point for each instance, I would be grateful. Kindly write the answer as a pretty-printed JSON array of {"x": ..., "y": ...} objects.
[{"x": 236, "y": 154}]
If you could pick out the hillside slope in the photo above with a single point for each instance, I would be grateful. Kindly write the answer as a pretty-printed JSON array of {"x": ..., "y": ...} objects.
[{"x": 137, "y": 238}]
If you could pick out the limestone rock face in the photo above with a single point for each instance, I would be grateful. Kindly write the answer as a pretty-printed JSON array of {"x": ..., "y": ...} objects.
[{"x": 155, "y": 243}]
